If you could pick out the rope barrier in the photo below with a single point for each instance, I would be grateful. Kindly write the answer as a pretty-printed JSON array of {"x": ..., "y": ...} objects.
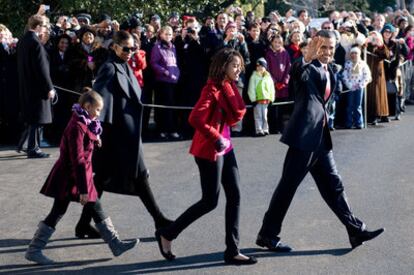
[{"x": 171, "y": 107}]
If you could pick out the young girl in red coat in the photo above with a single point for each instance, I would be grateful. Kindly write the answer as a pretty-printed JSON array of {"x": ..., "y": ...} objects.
[
  {"x": 220, "y": 106},
  {"x": 71, "y": 179}
]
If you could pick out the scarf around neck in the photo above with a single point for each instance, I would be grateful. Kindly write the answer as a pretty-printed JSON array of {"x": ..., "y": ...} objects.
[{"x": 93, "y": 125}]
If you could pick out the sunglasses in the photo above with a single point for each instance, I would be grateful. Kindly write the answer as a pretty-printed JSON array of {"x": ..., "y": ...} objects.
[{"x": 127, "y": 49}]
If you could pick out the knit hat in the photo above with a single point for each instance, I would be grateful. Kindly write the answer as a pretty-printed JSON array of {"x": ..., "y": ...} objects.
[
  {"x": 262, "y": 62},
  {"x": 230, "y": 25},
  {"x": 401, "y": 19},
  {"x": 388, "y": 27},
  {"x": 155, "y": 17},
  {"x": 104, "y": 17},
  {"x": 86, "y": 17},
  {"x": 355, "y": 50}
]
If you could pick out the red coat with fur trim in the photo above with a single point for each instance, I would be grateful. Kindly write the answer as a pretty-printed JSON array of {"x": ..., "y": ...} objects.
[
  {"x": 72, "y": 173},
  {"x": 219, "y": 104}
]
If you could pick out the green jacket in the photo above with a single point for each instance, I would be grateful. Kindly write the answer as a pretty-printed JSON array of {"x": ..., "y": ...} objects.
[{"x": 261, "y": 87}]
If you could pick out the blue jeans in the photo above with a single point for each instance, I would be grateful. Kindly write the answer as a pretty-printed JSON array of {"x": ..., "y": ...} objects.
[{"x": 354, "y": 109}]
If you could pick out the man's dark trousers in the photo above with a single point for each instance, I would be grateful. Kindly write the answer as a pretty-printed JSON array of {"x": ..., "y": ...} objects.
[{"x": 321, "y": 164}]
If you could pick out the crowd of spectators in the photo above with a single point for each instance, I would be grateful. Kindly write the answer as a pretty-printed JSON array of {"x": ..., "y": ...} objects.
[{"x": 171, "y": 61}]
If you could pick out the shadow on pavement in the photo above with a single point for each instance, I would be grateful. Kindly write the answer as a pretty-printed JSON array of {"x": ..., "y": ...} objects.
[
  {"x": 194, "y": 262},
  {"x": 263, "y": 253},
  {"x": 36, "y": 269},
  {"x": 13, "y": 242}
]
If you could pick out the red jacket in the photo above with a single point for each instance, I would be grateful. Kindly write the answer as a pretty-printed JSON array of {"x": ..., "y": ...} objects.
[
  {"x": 72, "y": 173},
  {"x": 138, "y": 63},
  {"x": 218, "y": 105}
]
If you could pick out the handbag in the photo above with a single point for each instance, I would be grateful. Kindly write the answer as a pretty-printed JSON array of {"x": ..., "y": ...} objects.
[{"x": 391, "y": 87}]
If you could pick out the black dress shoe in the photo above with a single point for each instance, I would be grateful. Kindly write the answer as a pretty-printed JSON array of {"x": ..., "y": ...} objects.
[
  {"x": 167, "y": 255},
  {"x": 37, "y": 155},
  {"x": 272, "y": 244},
  {"x": 231, "y": 260},
  {"x": 86, "y": 232},
  {"x": 358, "y": 239},
  {"x": 385, "y": 119}
]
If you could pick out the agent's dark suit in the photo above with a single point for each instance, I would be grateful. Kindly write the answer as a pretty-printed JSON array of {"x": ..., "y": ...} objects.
[
  {"x": 35, "y": 84},
  {"x": 310, "y": 150}
]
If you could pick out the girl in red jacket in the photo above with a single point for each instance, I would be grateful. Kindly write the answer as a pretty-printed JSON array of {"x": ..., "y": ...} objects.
[
  {"x": 220, "y": 106},
  {"x": 71, "y": 179}
]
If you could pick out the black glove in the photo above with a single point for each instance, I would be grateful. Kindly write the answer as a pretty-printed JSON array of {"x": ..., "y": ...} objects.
[{"x": 219, "y": 145}]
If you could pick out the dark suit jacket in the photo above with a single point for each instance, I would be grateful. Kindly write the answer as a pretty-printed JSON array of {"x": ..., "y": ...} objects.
[
  {"x": 119, "y": 164},
  {"x": 308, "y": 123},
  {"x": 34, "y": 80}
]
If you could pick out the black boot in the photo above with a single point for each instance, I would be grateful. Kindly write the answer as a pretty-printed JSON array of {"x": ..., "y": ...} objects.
[{"x": 84, "y": 229}]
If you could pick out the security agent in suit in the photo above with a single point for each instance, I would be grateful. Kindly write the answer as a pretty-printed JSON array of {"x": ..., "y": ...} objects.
[
  {"x": 36, "y": 88},
  {"x": 310, "y": 149}
]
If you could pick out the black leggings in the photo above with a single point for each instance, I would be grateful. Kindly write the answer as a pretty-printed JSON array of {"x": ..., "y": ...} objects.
[
  {"x": 212, "y": 173},
  {"x": 60, "y": 206}
]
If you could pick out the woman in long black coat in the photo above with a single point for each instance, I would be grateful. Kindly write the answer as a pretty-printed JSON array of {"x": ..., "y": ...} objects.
[{"x": 119, "y": 165}]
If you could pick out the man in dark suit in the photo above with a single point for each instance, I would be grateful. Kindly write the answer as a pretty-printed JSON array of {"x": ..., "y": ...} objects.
[
  {"x": 36, "y": 88},
  {"x": 310, "y": 149}
]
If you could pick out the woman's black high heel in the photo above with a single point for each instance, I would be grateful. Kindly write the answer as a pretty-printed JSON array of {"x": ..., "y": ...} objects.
[{"x": 167, "y": 255}]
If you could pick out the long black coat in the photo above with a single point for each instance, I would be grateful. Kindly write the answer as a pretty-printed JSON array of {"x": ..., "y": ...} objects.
[
  {"x": 119, "y": 164},
  {"x": 34, "y": 80},
  {"x": 9, "y": 96},
  {"x": 306, "y": 126}
]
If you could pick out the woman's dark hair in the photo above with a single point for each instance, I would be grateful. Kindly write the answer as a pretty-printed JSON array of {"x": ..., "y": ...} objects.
[
  {"x": 407, "y": 29},
  {"x": 220, "y": 61},
  {"x": 63, "y": 36},
  {"x": 303, "y": 44},
  {"x": 84, "y": 30},
  {"x": 89, "y": 96},
  {"x": 121, "y": 36}
]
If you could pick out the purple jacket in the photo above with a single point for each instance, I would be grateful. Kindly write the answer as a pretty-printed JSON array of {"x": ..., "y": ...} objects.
[
  {"x": 164, "y": 63},
  {"x": 278, "y": 64}
]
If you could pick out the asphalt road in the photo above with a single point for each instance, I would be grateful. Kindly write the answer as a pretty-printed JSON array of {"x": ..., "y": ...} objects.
[{"x": 376, "y": 166}]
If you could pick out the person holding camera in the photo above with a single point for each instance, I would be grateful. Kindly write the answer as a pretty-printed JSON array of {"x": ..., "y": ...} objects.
[
  {"x": 193, "y": 64},
  {"x": 398, "y": 50},
  {"x": 235, "y": 40}
]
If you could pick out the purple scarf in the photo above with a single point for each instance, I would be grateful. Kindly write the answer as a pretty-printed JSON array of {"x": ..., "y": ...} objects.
[{"x": 93, "y": 125}]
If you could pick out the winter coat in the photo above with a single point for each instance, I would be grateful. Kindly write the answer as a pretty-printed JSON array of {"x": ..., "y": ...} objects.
[
  {"x": 356, "y": 81},
  {"x": 34, "y": 80},
  {"x": 119, "y": 165},
  {"x": 377, "y": 101},
  {"x": 138, "y": 63},
  {"x": 218, "y": 105},
  {"x": 261, "y": 87},
  {"x": 72, "y": 173},
  {"x": 279, "y": 66},
  {"x": 164, "y": 62}
]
